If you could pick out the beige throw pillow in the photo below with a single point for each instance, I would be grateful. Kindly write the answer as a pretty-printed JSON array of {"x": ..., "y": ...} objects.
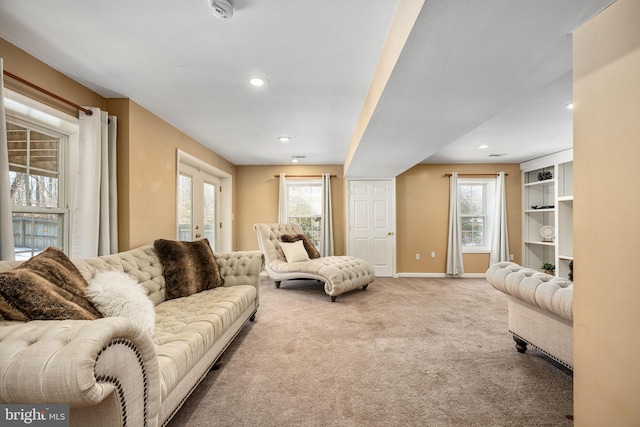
[{"x": 295, "y": 251}]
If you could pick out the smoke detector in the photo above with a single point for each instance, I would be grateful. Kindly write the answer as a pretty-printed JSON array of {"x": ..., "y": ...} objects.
[{"x": 222, "y": 9}]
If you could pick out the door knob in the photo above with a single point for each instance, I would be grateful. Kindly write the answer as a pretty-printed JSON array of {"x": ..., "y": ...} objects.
[
  {"x": 390, "y": 233},
  {"x": 197, "y": 227},
  {"x": 198, "y": 236}
]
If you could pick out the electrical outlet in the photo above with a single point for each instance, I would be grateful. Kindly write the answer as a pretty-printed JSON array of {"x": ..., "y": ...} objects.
[
  {"x": 510, "y": 257},
  {"x": 433, "y": 254},
  {"x": 417, "y": 256}
]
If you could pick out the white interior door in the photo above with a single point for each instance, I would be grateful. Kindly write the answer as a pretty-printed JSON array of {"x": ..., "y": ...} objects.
[
  {"x": 372, "y": 224},
  {"x": 198, "y": 195}
]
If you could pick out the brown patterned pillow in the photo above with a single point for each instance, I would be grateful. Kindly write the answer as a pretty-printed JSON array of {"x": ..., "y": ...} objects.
[
  {"x": 311, "y": 250},
  {"x": 46, "y": 287},
  {"x": 188, "y": 267}
]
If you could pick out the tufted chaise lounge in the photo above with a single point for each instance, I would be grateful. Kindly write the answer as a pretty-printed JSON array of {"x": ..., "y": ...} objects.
[
  {"x": 110, "y": 371},
  {"x": 540, "y": 309},
  {"x": 339, "y": 274}
]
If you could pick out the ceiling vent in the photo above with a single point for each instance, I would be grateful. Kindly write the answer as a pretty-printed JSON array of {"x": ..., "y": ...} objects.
[
  {"x": 222, "y": 9},
  {"x": 497, "y": 155}
]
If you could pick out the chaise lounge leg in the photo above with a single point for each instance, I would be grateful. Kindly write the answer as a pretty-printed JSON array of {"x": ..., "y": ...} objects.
[
  {"x": 364, "y": 288},
  {"x": 277, "y": 284},
  {"x": 333, "y": 298},
  {"x": 521, "y": 346}
]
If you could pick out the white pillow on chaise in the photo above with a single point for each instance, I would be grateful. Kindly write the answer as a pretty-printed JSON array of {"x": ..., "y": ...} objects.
[{"x": 294, "y": 252}]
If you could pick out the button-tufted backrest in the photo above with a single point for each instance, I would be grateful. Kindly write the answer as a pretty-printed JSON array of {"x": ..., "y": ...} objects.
[
  {"x": 269, "y": 238},
  {"x": 142, "y": 264},
  {"x": 543, "y": 290}
]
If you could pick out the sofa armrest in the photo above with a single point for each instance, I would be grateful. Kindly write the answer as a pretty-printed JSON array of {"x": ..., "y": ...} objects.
[
  {"x": 241, "y": 267},
  {"x": 103, "y": 363}
]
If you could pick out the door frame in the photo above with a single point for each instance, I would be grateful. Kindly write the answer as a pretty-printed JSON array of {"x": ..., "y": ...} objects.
[
  {"x": 347, "y": 192},
  {"x": 225, "y": 240}
]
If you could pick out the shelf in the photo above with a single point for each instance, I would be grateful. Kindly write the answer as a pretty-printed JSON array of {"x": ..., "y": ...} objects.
[
  {"x": 535, "y": 242},
  {"x": 556, "y": 195},
  {"x": 540, "y": 210},
  {"x": 540, "y": 183}
]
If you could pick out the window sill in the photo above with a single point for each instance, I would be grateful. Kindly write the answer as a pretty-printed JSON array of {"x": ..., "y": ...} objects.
[{"x": 476, "y": 250}]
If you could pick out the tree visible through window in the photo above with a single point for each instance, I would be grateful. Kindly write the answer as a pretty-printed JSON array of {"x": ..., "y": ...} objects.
[
  {"x": 473, "y": 214},
  {"x": 304, "y": 200},
  {"x": 36, "y": 182}
]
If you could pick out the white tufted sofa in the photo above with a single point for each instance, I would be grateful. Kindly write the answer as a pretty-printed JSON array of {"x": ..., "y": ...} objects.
[
  {"x": 112, "y": 373},
  {"x": 540, "y": 309},
  {"x": 340, "y": 274}
]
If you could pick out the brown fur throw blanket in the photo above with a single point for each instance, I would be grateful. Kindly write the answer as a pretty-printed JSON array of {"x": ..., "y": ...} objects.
[
  {"x": 46, "y": 287},
  {"x": 188, "y": 267}
]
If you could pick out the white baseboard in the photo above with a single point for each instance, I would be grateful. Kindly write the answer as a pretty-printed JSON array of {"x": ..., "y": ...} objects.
[{"x": 442, "y": 275}]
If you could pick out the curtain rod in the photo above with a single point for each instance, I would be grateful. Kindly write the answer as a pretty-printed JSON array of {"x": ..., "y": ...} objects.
[
  {"x": 303, "y": 176},
  {"x": 474, "y": 174},
  {"x": 46, "y": 92}
]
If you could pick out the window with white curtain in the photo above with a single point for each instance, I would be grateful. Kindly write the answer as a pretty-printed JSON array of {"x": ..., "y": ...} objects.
[
  {"x": 304, "y": 203},
  {"x": 476, "y": 200},
  {"x": 38, "y": 151}
]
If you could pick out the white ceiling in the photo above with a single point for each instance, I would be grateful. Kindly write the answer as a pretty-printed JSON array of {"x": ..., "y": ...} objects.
[{"x": 493, "y": 72}]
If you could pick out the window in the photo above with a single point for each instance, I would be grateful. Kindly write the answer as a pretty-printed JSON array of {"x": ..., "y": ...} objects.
[
  {"x": 37, "y": 150},
  {"x": 476, "y": 199},
  {"x": 304, "y": 201}
]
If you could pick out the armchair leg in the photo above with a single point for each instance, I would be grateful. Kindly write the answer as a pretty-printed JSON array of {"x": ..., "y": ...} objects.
[
  {"x": 364, "y": 288},
  {"x": 333, "y": 298},
  {"x": 521, "y": 346},
  {"x": 277, "y": 284}
]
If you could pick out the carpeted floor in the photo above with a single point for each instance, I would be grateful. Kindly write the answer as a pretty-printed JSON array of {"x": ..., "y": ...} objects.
[{"x": 405, "y": 352}]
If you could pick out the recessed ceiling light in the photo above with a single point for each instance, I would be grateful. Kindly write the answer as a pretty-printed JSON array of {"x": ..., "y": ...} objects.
[
  {"x": 569, "y": 106},
  {"x": 284, "y": 139},
  {"x": 483, "y": 146},
  {"x": 294, "y": 160},
  {"x": 258, "y": 81}
]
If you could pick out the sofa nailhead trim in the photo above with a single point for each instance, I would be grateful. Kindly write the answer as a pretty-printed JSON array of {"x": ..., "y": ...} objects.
[{"x": 116, "y": 382}]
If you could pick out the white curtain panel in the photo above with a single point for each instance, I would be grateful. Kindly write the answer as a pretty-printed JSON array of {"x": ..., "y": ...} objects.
[
  {"x": 454, "y": 245},
  {"x": 112, "y": 233},
  {"x": 94, "y": 220},
  {"x": 283, "y": 210},
  {"x": 500, "y": 235},
  {"x": 326, "y": 225},
  {"x": 7, "y": 251}
]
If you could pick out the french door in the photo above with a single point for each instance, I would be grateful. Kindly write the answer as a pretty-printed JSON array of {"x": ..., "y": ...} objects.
[{"x": 198, "y": 205}]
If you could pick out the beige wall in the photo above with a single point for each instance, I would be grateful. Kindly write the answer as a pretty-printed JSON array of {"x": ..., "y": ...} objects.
[
  {"x": 423, "y": 214},
  {"x": 146, "y": 149},
  {"x": 257, "y": 200},
  {"x": 27, "y": 67},
  {"x": 422, "y": 210},
  {"x": 152, "y": 152},
  {"x": 606, "y": 226}
]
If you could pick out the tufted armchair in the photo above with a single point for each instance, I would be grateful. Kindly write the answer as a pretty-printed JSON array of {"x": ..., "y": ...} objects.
[
  {"x": 339, "y": 274},
  {"x": 540, "y": 309}
]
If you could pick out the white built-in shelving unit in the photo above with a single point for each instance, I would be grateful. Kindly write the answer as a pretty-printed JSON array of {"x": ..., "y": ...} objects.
[{"x": 548, "y": 202}]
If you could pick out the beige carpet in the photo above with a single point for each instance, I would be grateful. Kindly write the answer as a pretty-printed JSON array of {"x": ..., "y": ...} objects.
[{"x": 405, "y": 352}]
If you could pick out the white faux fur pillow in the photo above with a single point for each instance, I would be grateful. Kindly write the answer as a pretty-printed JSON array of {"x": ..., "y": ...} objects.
[
  {"x": 294, "y": 252},
  {"x": 116, "y": 294}
]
